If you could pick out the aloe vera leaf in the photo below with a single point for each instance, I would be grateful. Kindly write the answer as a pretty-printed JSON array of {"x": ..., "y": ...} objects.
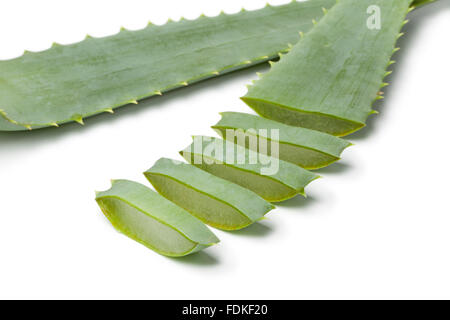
[
  {"x": 215, "y": 201},
  {"x": 307, "y": 148},
  {"x": 330, "y": 79},
  {"x": 272, "y": 179},
  {"x": 70, "y": 83},
  {"x": 150, "y": 219}
]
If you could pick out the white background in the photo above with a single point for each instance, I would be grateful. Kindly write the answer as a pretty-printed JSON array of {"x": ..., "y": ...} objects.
[{"x": 376, "y": 226}]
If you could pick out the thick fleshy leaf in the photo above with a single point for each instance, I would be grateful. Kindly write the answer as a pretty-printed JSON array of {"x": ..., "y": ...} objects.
[
  {"x": 70, "y": 83},
  {"x": 217, "y": 202},
  {"x": 330, "y": 79},
  {"x": 273, "y": 179},
  {"x": 152, "y": 220},
  {"x": 307, "y": 148}
]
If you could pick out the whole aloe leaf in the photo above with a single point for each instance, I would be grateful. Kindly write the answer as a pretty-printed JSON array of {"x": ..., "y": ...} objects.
[
  {"x": 307, "y": 148},
  {"x": 153, "y": 221},
  {"x": 273, "y": 179},
  {"x": 217, "y": 202},
  {"x": 330, "y": 79},
  {"x": 69, "y": 83}
]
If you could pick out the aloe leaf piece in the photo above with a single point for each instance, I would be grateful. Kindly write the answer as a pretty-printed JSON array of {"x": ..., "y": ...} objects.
[
  {"x": 70, "y": 83},
  {"x": 307, "y": 148},
  {"x": 273, "y": 179},
  {"x": 330, "y": 79},
  {"x": 150, "y": 219},
  {"x": 215, "y": 201}
]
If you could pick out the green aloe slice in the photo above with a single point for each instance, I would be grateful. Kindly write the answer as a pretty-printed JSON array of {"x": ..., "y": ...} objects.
[
  {"x": 69, "y": 83},
  {"x": 273, "y": 179},
  {"x": 217, "y": 202},
  {"x": 330, "y": 79},
  {"x": 150, "y": 219},
  {"x": 307, "y": 148}
]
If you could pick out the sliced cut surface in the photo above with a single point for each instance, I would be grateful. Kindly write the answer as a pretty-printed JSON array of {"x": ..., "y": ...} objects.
[
  {"x": 273, "y": 179},
  {"x": 307, "y": 148},
  {"x": 69, "y": 83},
  {"x": 331, "y": 77},
  {"x": 418, "y": 3},
  {"x": 215, "y": 201},
  {"x": 150, "y": 219}
]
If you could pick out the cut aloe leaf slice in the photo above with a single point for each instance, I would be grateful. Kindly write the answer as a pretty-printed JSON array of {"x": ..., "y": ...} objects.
[
  {"x": 273, "y": 179},
  {"x": 330, "y": 79},
  {"x": 307, "y": 148},
  {"x": 217, "y": 202},
  {"x": 70, "y": 83},
  {"x": 150, "y": 219}
]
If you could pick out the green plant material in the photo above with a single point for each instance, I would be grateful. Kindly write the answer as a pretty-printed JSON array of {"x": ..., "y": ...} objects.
[
  {"x": 215, "y": 201},
  {"x": 273, "y": 179},
  {"x": 307, "y": 148},
  {"x": 418, "y": 3},
  {"x": 150, "y": 219},
  {"x": 330, "y": 79},
  {"x": 70, "y": 83}
]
